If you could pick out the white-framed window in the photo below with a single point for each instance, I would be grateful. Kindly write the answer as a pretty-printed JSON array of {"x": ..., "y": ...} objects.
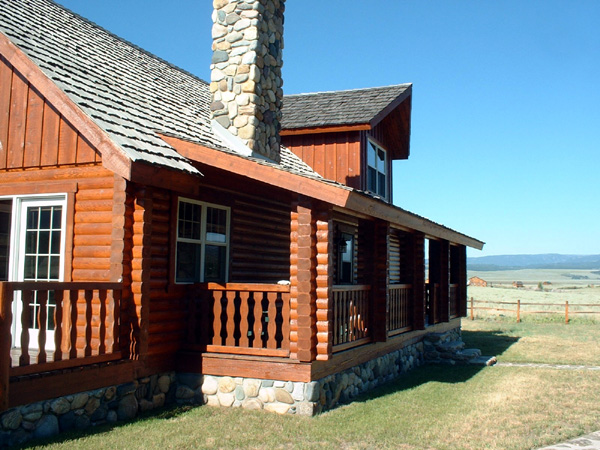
[
  {"x": 202, "y": 242},
  {"x": 376, "y": 169}
]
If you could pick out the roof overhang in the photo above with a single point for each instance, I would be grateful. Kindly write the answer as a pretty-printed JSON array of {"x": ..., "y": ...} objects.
[{"x": 328, "y": 192}]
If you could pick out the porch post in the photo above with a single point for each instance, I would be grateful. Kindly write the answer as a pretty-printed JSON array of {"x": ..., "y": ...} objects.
[
  {"x": 303, "y": 252},
  {"x": 380, "y": 281},
  {"x": 416, "y": 256},
  {"x": 324, "y": 238},
  {"x": 444, "y": 281},
  {"x": 5, "y": 343},
  {"x": 462, "y": 280}
]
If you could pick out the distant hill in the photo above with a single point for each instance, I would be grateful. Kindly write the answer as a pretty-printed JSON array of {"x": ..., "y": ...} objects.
[{"x": 543, "y": 261}]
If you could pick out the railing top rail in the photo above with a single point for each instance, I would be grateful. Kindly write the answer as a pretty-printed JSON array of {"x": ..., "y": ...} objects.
[
  {"x": 351, "y": 287},
  {"x": 453, "y": 285},
  {"x": 62, "y": 285},
  {"x": 245, "y": 287},
  {"x": 399, "y": 286}
]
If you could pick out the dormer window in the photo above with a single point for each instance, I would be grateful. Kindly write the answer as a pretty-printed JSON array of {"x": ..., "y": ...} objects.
[{"x": 376, "y": 170}]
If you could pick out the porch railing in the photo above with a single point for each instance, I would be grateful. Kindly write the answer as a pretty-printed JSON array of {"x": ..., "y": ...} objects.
[
  {"x": 453, "y": 300},
  {"x": 243, "y": 319},
  {"x": 351, "y": 307},
  {"x": 400, "y": 308},
  {"x": 74, "y": 324}
]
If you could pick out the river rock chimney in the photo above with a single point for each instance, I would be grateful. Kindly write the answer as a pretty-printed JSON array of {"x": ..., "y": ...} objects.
[{"x": 246, "y": 83}]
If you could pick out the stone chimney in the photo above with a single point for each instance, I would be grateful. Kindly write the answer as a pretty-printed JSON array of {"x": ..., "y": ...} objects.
[{"x": 246, "y": 83}]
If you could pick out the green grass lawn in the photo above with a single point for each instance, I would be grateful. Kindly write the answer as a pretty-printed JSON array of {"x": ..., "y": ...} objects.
[{"x": 434, "y": 407}]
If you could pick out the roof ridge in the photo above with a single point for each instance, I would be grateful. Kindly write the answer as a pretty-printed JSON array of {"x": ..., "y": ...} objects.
[
  {"x": 126, "y": 42},
  {"x": 350, "y": 90}
]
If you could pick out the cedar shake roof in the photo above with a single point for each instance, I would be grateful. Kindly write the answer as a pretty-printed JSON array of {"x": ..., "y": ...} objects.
[
  {"x": 352, "y": 107},
  {"x": 129, "y": 93}
]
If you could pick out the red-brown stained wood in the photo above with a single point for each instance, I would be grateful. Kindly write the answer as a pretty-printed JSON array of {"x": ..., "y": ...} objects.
[
  {"x": 5, "y": 90},
  {"x": 33, "y": 137},
  {"x": 18, "y": 121},
  {"x": 335, "y": 156},
  {"x": 51, "y": 128},
  {"x": 67, "y": 144}
]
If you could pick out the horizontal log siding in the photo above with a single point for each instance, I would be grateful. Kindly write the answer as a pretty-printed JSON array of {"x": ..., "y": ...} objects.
[
  {"x": 32, "y": 132},
  {"x": 335, "y": 156},
  {"x": 167, "y": 314},
  {"x": 92, "y": 236},
  {"x": 260, "y": 242}
]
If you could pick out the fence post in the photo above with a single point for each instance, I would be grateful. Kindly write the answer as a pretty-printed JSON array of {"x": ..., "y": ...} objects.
[
  {"x": 5, "y": 343},
  {"x": 472, "y": 317},
  {"x": 518, "y": 311},
  {"x": 567, "y": 312}
]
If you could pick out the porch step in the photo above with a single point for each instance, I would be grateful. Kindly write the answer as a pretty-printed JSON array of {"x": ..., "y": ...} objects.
[{"x": 449, "y": 349}]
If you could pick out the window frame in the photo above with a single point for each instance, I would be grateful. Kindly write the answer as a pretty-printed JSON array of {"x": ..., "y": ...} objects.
[
  {"x": 203, "y": 242},
  {"x": 372, "y": 145}
]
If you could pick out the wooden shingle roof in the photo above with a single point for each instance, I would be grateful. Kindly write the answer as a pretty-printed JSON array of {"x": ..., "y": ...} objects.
[{"x": 350, "y": 107}]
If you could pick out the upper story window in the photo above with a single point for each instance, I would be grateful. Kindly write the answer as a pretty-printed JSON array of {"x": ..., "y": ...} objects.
[
  {"x": 202, "y": 242},
  {"x": 376, "y": 169}
]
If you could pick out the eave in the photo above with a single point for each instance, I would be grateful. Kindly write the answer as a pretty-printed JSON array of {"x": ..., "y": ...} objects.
[{"x": 322, "y": 190}]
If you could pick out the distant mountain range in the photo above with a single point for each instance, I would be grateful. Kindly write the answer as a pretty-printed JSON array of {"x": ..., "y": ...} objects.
[{"x": 544, "y": 261}]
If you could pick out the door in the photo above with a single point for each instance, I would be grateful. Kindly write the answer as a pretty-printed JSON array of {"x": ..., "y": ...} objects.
[{"x": 39, "y": 255}]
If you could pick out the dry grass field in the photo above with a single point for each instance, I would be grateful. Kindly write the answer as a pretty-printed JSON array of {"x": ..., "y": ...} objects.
[{"x": 543, "y": 291}]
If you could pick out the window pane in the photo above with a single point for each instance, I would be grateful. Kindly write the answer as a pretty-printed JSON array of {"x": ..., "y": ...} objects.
[
  {"x": 381, "y": 184},
  {"x": 372, "y": 180},
  {"x": 188, "y": 256},
  {"x": 32, "y": 218},
  {"x": 44, "y": 245},
  {"x": 55, "y": 245},
  {"x": 371, "y": 155},
  {"x": 54, "y": 267},
  {"x": 214, "y": 263},
  {"x": 31, "y": 242},
  {"x": 42, "y": 269},
  {"x": 45, "y": 216},
  {"x": 57, "y": 217},
  {"x": 189, "y": 221},
  {"x": 216, "y": 225},
  {"x": 29, "y": 272},
  {"x": 346, "y": 259},
  {"x": 381, "y": 160}
]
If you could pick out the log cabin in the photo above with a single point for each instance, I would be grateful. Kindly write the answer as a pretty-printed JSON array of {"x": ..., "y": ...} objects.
[{"x": 151, "y": 222}]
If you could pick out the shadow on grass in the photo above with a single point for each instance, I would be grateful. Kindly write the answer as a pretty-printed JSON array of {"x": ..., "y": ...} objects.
[
  {"x": 165, "y": 413},
  {"x": 491, "y": 342}
]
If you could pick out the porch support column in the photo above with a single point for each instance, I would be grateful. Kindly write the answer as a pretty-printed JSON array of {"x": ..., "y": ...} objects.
[
  {"x": 416, "y": 256},
  {"x": 445, "y": 281},
  {"x": 6, "y": 297},
  {"x": 324, "y": 239},
  {"x": 140, "y": 251},
  {"x": 303, "y": 283},
  {"x": 461, "y": 260},
  {"x": 379, "y": 291},
  {"x": 438, "y": 274}
]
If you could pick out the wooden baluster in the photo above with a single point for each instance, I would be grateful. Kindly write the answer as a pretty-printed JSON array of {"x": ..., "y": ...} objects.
[
  {"x": 26, "y": 298},
  {"x": 230, "y": 324},
  {"x": 271, "y": 314},
  {"x": 72, "y": 342},
  {"x": 103, "y": 320},
  {"x": 285, "y": 326},
  {"x": 258, "y": 320},
  {"x": 42, "y": 322},
  {"x": 88, "y": 296},
  {"x": 115, "y": 308},
  {"x": 58, "y": 325},
  {"x": 244, "y": 313},
  {"x": 218, "y": 312}
]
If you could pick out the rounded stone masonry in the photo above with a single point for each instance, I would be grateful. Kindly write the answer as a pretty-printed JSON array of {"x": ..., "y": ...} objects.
[
  {"x": 79, "y": 411},
  {"x": 246, "y": 82}
]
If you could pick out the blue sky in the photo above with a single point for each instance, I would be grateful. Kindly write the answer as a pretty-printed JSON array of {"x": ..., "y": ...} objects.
[{"x": 506, "y": 99}]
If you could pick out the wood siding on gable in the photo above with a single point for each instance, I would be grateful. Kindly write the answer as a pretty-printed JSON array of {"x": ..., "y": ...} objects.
[
  {"x": 32, "y": 133},
  {"x": 335, "y": 156}
]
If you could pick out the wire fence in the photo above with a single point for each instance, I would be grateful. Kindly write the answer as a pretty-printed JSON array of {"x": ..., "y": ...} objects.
[{"x": 519, "y": 308}]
